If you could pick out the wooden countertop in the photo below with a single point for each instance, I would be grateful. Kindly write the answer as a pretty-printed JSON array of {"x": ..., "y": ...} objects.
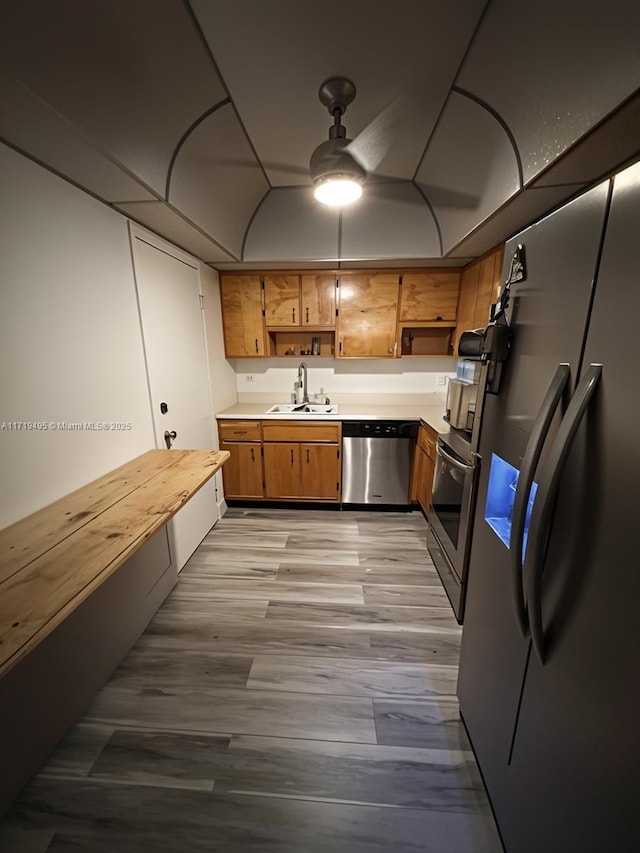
[{"x": 52, "y": 560}]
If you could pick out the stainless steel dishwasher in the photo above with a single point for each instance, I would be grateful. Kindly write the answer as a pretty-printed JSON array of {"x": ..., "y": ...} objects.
[{"x": 376, "y": 462}]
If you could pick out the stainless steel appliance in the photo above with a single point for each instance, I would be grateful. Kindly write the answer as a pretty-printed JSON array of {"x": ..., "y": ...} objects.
[
  {"x": 451, "y": 514},
  {"x": 376, "y": 462},
  {"x": 548, "y": 683},
  {"x": 456, "y": 472},
  {"x": 461, "y": 403}
]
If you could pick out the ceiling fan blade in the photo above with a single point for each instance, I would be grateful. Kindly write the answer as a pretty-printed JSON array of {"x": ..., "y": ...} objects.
[
  {"x": 239, "y": 163},
  {"x": 387, "y": 187},
  {"x": 372, "y": 144}
]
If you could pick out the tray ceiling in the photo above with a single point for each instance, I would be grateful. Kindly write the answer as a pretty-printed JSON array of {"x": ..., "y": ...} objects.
[{"x": 198, "y": 119}]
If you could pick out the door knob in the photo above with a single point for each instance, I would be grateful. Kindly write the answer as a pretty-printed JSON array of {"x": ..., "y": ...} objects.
[{"x": 169, "y": 437}]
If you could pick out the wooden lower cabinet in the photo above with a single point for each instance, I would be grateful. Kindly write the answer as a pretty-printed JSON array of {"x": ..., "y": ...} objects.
[
  {"x": 302, "y": 471},
  {"x": 424, "y": 467},
  {"x": 302, "y": 461},
  {"x": 242, "y": 472},
  {"x": 243, "y": 475},
  {"x": 320, "y": 469},
  {"x": 281, "y": 470}
]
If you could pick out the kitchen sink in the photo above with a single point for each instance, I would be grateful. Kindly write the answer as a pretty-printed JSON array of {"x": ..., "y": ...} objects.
[{"x": 302, "y": 409}]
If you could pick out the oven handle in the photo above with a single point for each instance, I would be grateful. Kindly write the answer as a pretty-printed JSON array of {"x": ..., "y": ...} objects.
[
  {"x": 527, "y": 470},
  {"x": 544, "y": 505},
  {"x": 452, "y": 460}
]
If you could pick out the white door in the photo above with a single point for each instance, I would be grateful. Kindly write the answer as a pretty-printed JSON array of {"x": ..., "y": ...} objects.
[{"x": 168, "y": 285}]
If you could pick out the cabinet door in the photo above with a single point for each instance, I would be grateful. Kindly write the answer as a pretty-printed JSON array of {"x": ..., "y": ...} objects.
[
  {"x": 466, "y": 302},
  {"x": 320, "y": 466},
  {"x": 282, "y": 470},
  {"x": 424, "y": 467},
  {"x": 282, "y": 300},
  {"x": 367, "y": 315},
  {"x": 429, "y": 296},
  {"x": 242, "y": 472},
  {"x": 426, "y": 470},
  {"x": 490, "y": 269},
  {"x": 242, "y": 320},
  {"x": 318, "y": 300},
  {"x": 479, "y": 287}
]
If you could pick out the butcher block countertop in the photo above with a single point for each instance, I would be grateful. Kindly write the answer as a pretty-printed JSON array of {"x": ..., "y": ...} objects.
[
  {"x": 429, "y": 414},
  {"x": 53, "y": 560}
]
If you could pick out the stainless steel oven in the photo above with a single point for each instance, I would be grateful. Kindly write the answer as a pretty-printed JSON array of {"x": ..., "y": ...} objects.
[{"x": 451, "y": 513}]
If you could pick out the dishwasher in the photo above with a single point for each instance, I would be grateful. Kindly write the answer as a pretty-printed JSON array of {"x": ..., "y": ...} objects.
[{"x": 376, "y": 462}]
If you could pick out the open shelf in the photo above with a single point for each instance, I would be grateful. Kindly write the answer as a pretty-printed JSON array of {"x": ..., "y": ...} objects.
[
  {"x": 283, "y": 343},
  {"x": 424, "y": 339}
]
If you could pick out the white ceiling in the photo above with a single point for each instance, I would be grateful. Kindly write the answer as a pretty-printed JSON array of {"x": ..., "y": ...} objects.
[{"x": 198, "y": 118}]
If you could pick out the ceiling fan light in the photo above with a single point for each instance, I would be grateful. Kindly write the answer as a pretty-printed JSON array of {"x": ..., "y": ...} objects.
[{"x": 337, "y": 191}]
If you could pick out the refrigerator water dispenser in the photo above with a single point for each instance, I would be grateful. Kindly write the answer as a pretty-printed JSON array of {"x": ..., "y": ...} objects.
[{"x": 501, "y": 493}]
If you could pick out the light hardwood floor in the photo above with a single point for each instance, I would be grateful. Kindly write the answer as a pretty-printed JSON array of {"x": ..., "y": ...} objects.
[{"x": 296, "y": 692}]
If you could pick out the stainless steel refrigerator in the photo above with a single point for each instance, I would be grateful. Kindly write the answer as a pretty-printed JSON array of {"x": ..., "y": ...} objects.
[{"x": 549, "y": 682}]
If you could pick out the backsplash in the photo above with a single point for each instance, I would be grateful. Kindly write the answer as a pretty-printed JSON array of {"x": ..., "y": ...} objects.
[{"x": 341, "y": 379}]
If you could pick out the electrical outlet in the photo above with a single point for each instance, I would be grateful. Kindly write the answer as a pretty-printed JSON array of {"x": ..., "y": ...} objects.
[
  {"x": 249, "y": 377},
  {"x": 442, "y": 380}
]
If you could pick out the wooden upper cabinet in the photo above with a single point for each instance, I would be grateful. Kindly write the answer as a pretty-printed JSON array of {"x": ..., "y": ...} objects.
[
  {"x": 367, "y": 315},
  {"x": 488, "y": 286},
  {"x": 318, "y": 300},
  {"x": 282, "y": 300},
  {"x": 479, "y": 286},
  {"x": 467, "y": 301},
  {"x": 242, "y": 320},
  {"x": 429, "y": 296}
]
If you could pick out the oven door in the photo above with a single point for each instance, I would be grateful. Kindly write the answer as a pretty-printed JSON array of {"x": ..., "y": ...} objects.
[{"x": 452, "y": 500}]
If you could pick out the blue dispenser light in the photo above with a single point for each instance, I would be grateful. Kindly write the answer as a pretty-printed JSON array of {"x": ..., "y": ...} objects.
[{"x": 503, "y": 479}]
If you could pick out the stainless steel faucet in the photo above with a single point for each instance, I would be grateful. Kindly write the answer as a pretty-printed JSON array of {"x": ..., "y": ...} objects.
[{"x": 302, "y": 378}]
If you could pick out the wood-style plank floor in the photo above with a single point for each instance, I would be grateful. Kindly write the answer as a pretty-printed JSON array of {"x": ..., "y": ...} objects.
[{"x": 296, "y": 692}]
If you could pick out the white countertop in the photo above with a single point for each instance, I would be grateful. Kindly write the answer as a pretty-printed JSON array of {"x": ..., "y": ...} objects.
[{"x": 429, "y": 414}]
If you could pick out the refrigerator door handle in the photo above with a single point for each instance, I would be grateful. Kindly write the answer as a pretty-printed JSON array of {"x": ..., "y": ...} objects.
[
  {"x": 545, "y": 502},
  {"x": 452, "y": 460},
  {"x": 527, "y": 471}
]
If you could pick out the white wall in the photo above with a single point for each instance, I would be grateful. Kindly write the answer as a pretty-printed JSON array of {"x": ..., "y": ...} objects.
[
  {"x": 221, "y": 372},
  {"x": 342, "y": 379},
  {"x": 223, "y": 377},
  {"x": 70, "y": 342}
]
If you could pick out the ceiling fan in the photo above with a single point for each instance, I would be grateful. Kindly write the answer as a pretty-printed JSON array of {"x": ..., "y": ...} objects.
[{"x": 339, "y": 165}]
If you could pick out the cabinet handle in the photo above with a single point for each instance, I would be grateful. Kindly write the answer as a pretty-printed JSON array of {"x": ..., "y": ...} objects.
[
  {"x": 308, "y": 460},
  {"x": 239, "y": 432},
  {"x": 307, "y": 315},
  {"x": 253, "y": 458},
  {"x": 340, "y": 348},
  {"x": 256, "y": 345},
  {"x": 292, "y": 457},
  {"x": 293, "y": 313}
]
